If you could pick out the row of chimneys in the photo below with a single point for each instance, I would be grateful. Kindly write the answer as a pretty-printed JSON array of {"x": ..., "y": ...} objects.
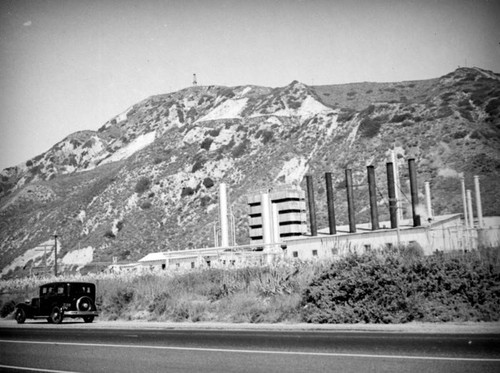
[
  {"x": 393, "y": 200},
  {"x": 269, "y": 216}
]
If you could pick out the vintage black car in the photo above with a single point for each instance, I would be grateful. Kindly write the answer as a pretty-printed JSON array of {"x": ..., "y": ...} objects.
[{"x": 59, "y": 300}]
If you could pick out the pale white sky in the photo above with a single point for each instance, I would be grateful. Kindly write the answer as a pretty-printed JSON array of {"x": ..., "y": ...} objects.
[{"x": 70, "y": 65}]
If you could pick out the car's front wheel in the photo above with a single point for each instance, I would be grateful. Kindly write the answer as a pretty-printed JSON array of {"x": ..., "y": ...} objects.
[
  {"x": 88, "y": 319},
  {"x": 20, "y": 316},
  {"x": 56, "y": 316}
]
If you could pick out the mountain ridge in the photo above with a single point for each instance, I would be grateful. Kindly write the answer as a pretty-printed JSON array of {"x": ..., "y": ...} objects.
[{"x": 147, "y": 179}]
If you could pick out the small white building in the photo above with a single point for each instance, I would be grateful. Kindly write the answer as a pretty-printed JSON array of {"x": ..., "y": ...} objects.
[{"x": 216, "y": 257}]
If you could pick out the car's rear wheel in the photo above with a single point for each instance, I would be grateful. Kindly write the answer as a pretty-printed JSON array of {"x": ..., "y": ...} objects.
[
  {"x": 84, "y": 304},
  {"x": 20, "y": 316},
  {"x": 56, "y": 315},
  {"x": 88, "y": 319}
]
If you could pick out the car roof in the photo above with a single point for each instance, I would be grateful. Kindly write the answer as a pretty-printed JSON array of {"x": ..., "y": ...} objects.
[{"x": 68, "y": 282}]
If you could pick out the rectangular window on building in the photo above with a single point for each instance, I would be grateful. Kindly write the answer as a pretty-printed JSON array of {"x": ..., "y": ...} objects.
[
  {"x": 295, "y": 254},
  {"x": 208, "y": 263},
  {"x": 388, "y": 245},
  {"x": 335, "y": 251},
  {"x": 178, "y": 264},
  {"x": 163, "y": 266},
  {"x": 368, "y": 247},
  {"x": 192, "y": 264},
  {"x": 315, "y": 252}
]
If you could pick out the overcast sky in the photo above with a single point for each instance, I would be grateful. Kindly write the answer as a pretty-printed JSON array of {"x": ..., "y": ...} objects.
[{"x": 70, "y": 65}]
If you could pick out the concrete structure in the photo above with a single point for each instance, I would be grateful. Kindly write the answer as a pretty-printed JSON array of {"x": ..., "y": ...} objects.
[
  {"x": 291, "y": 207},
  {"x": 215, "y": 257},
  {"x": 224, "y": 225},
  {"x": 278, "y": 228},
  {"x": 444, "y": 233}
]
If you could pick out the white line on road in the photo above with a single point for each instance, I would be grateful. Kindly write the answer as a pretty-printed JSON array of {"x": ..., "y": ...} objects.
[
  {"x": 35, "y": 369},
  {"x": 326, "y": 354}
]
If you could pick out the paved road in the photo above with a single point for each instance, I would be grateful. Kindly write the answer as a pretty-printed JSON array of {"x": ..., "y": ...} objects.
[{"x": 81, "y": 348}]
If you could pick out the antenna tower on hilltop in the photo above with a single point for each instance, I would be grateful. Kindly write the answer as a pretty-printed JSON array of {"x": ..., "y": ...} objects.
[{"x": 195, "y": 83}]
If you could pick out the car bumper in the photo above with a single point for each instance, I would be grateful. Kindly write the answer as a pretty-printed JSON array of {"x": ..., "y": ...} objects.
[{"x": 81, "y": 313}]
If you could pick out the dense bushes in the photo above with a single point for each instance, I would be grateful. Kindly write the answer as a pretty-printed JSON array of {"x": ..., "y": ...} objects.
[
  {"x": 253, "y": 294},
  {"x": 395, "y": 289},
  {"x": 7, "y": 308}
]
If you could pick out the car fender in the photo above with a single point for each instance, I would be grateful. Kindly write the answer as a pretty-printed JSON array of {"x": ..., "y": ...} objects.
[{"x": 27, "y": 308}]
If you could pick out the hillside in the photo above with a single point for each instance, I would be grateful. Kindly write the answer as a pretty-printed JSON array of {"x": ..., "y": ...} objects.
[{"x": 147, "y": 179}]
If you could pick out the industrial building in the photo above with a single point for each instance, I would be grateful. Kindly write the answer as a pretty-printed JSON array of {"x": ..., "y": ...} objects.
[
  {"x": 279, "y": 229},
  {"x": 287, "y": 209}
]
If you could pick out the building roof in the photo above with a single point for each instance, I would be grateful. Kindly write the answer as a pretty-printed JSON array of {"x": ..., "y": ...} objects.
[
  {"x": 153, "y": 257},
  {"x": 404, "y": 224}
]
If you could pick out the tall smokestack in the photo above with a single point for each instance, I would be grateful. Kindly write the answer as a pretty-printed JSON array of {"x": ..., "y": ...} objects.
[
  {"x": 372, "y": 189},
  {"x": 350, "y": 201},
  {"x": 464, "y": 202},
  {"x": 266, "y": 220},
  {"x": 312, "y": 206},
  {"x": 428, "y": 204},
  {"x": 397, "y": 186},
  {"x": 469, "y": 208},
  {"x": 329, "y": 200},
  {"x": 478, "y": 202},
  {"x": 223, "y": 215},
  {"x": 392, "y": 195},
  {"x": 414, "y": 192}
]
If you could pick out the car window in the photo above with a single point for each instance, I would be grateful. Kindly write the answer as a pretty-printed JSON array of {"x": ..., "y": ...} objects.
[
  {"x": 44, "y": 290},
  {"x": 60, "y": 290},
  {"x": 84, "y": 289}
]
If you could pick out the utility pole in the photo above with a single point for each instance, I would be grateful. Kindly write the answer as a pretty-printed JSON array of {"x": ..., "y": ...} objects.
[{"x": 55, "y": 254}]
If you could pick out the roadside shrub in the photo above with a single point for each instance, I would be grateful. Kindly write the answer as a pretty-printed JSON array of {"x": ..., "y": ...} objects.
[
  {"x": 115, "y": 303},
  {"x": 7, "y": 308},
  {"x": 412, "y": 251},
  {"x": 394, "y": 288}
]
